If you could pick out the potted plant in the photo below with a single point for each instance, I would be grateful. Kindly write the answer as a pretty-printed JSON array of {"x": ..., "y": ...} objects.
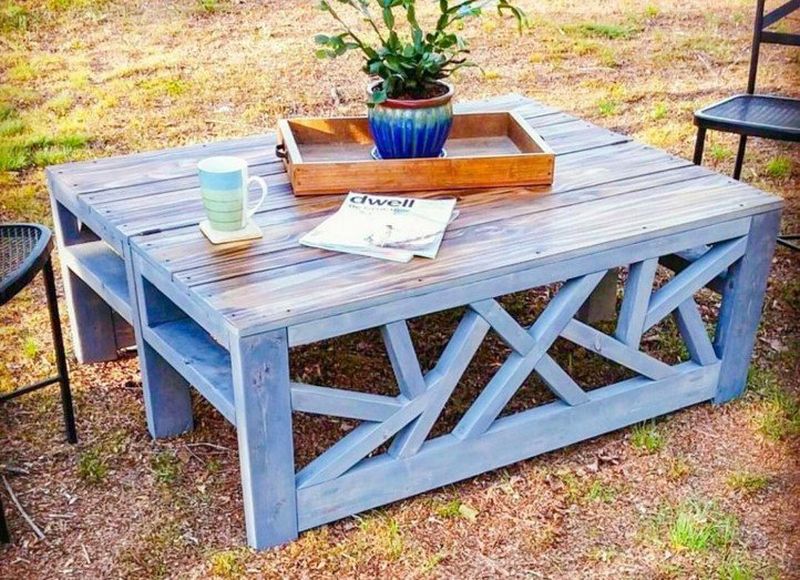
[{"x": 409, "y": 105}]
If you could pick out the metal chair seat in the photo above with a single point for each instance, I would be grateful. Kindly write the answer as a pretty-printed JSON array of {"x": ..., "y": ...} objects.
[
  {"x": 752, "y": 115},
  {"x": 24, "y": 252},
  {"x": 24, "y": 248},
  {"x": 764, "y": 116}
]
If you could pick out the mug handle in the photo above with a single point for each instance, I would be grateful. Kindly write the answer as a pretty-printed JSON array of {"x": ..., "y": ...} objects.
[{"x": 248, "y": 213}]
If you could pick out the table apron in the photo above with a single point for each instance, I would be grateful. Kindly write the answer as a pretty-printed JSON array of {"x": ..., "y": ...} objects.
[{"x": 538, "y": 275}]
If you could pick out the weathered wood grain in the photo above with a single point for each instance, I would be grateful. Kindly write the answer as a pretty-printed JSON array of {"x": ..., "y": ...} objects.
[
  {"x": 167, "y": 396},
  {"x": 251, "y": 258},
  {"x": 508, "y": 379},
  {"x": 264, "y": 428},
  {"x": 585, "y": 178},
  {"x": 638, "y": 289},
  {"x": 448, "y": 459},
  {"x": 281, "y": 296},
  {"x": 545, "y": 273},
  {"x": 91, "y": 318},
  {"x": 742, "y": 301}
]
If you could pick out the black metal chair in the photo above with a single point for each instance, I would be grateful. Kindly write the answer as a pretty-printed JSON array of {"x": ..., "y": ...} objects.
[
  {"x": 24, "y": 251},
  {"x": 751, "y": 115}
]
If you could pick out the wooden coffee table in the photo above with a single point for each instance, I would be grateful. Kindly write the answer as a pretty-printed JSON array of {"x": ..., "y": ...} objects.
[{"x": 221, "y": 319}]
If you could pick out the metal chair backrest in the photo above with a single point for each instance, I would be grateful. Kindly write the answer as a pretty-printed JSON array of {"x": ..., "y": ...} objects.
[{"x": 762, "y": 34}]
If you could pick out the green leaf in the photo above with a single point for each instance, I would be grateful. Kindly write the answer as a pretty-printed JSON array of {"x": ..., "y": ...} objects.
[{"x": 388, "y": 18}]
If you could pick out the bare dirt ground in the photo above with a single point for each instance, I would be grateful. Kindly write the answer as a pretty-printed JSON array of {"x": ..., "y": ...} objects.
[{"x": 709, "y": 492}]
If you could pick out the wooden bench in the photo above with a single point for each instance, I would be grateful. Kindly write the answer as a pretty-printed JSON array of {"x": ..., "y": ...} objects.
[{"x": 222, "y": 319}]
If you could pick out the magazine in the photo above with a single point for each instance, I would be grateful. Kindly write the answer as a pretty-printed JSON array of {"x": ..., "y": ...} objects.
[{"x": 387, "y": 227}]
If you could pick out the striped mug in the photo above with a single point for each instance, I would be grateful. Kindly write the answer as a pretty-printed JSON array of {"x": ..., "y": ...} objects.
[{"x": 224, "y": 184}]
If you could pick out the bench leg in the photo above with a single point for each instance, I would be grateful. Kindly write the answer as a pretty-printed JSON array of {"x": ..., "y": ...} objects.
[
  {"x": 94, "y": 336},
  {"x": 167, "y": 395},
  {"x": 262, "y": 398},
  {"x": 602, "y": 302},
  {"x": 742, "y": 300}
]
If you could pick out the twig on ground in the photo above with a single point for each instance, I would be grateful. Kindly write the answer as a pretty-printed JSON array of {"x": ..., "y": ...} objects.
[
  {"x": 61, "y": 516},
  {"x": 211, "y": 445},
  {"x": 39, "y": 533},
  {"x": 195, "y": 455},
  {"x": 12, "y": 469}
]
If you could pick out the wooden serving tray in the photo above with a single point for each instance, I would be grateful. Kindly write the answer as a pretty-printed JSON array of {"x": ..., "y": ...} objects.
[{"x": 484, "y": 150}]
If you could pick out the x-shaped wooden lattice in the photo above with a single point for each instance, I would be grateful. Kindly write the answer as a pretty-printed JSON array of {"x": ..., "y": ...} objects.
[{"x": 409, "y": 417}]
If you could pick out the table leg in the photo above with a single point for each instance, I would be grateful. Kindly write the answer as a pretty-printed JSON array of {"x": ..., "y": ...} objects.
[
  {"x": 167, "y": 395},
  {"x": 94, "y": 335},
  {"x": 262, "y": 398},
  {"x": 742, "y": 301},
  {"x": 602, "y": 302}
]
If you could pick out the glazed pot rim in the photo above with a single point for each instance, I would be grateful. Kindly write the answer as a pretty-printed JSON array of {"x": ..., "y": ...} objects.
[{"x": 414, "y": 103}]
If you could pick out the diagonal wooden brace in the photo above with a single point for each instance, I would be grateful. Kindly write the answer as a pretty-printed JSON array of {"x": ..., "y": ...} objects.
[{"x": 518, "y": 367}]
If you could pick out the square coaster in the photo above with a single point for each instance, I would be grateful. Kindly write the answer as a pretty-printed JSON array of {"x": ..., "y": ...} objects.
[{"x": 250, "y": 232}]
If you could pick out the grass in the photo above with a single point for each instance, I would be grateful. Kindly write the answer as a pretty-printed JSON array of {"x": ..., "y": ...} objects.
[
  {"x": 602, "y": 30},
  {"x": 92, "y": 468},
  {"x": 647, "y": 437},
  {"x": 736, "y": 568},
  {"x": 449, "y": 509},
  {"x": 123, "y": 78},
  {"x": 608, "y": 107},
  {"x": 25, "y": 150},
  {"x": 778, "y": 415},
  {"x": 719, "y": 152},
  {"x": 779, "y": 167},
  {"x": 30, "y": 348},
  {"x": 659, "y": 112},
  {"x": 600, "y": 491},
  {"x": 14, "y": 17},
  {"x": 701, "y": 526},
  {"x": 209, "y": 6},
  {"x": 228, "y": 563},
  {"x": 678, "y": 469},
  {"x": 11, "y": 126},
  {"x": 385, "y": 535},
  {"x": 747, "y": 482},
  {"x": 166, "y": 467}
]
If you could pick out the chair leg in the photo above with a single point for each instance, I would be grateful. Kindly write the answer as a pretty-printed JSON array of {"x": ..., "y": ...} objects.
[
  {"x": 5, "y": 537},
  {"x": 61, "y": 359},
  {"x": 699, "y": 145},
  {"x": 737, "y": 170}
]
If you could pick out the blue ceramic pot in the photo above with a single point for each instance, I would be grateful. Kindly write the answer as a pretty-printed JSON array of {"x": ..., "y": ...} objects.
[{"x": 414, "y": 128}]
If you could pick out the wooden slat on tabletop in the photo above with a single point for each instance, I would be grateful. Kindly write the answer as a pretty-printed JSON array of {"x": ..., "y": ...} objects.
[
  {"x": 244, "y": 259},
  {"x": 117, "y": 201},
  {"x": 342, "y": 282},
  {"x": 80, "y": 168},
  {"x": 151, "y": 176},
  {"x": 589, "y": 168},
  {"x": 153, "y": 188},
  {"x": 115, "y": 172},
  {"x": 184, "y": 206},
  {"x": 136, "y": 171}
]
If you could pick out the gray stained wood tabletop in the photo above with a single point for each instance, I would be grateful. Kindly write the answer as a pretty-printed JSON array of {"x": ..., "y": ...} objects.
[{"x": 609, "y": 192}]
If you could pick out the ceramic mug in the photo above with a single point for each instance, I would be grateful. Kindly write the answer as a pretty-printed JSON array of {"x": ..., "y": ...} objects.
[{"x": 224, "y": 184}]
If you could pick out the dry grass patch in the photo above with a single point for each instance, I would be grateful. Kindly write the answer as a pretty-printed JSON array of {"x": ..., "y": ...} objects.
[{"x": 91, "y": 78}]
